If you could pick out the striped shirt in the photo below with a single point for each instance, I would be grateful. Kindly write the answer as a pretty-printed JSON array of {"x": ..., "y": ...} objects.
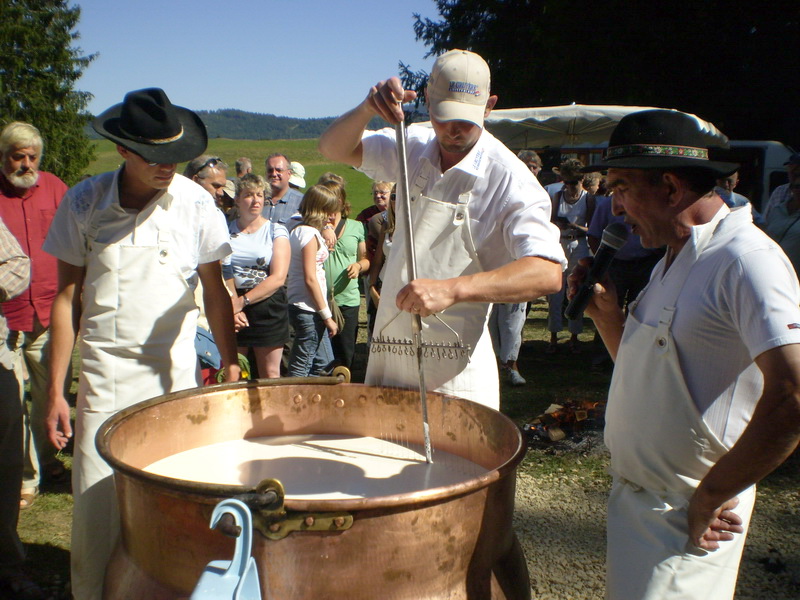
[{"x": 15, "y": 275}]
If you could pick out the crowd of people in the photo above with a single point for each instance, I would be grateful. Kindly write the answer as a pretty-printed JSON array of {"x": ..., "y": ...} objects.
[{"x": 275, "y": 270}]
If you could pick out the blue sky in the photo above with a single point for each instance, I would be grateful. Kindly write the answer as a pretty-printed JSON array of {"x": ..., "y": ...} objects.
[{"x": 301, "y": 58}]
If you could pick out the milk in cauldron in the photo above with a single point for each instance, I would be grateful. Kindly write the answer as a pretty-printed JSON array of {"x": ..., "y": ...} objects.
[{"x": 330, "y": 467}]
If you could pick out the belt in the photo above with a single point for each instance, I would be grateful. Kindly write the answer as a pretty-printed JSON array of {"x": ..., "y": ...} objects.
[{"x": 572, "y": 236}]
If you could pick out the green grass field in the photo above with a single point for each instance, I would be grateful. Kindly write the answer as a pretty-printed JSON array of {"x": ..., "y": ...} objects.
[{"x": 359, "y": 186}]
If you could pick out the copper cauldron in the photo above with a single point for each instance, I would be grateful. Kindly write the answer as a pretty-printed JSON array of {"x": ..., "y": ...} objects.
[{"x": 453, "y": 542}]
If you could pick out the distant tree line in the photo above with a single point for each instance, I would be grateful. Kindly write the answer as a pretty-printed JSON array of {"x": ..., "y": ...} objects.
[{"x": 242, "y": 125}]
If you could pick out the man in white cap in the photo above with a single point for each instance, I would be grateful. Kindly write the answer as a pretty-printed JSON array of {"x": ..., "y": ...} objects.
[
  {"x": 131, "y": 245},
  {"x": 298, "y": 178},
  {"x": 481, "y": 223}
]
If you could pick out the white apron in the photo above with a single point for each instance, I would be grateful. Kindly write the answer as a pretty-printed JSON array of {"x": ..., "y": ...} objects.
[
  {"x": 137, "y": 341},
  {"x": 660, "y": 450},
  {"x": 444, "y": 249}
]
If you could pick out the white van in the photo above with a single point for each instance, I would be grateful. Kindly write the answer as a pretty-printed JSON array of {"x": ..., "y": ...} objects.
[{"x": 762, "y": 168}]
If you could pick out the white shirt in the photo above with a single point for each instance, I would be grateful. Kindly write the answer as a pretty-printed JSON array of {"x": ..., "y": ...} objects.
[
  {"x": 740, "y": 299},
  {"x": 509, "y": 211},
  {"x": 296, "y": 290},
  {"x": 249, "y": 263},
  {"x": 553, "y": 188},
  {"x": 784, "y": 228},
  {"x": 780, "y": 195},
  {"x": 184, "y": 211}
]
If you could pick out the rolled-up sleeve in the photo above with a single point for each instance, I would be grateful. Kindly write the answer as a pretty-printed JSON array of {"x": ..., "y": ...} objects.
[
  {"x": 526, "y": 226},
  {"x": 15, "y": 267}
]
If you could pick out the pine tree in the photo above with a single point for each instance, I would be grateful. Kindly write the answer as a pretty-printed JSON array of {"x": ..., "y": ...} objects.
[{"x": 38, "y": 69}]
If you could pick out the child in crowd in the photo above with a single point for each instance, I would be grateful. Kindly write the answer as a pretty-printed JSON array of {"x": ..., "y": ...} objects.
[{"x": 309, "y": 312}]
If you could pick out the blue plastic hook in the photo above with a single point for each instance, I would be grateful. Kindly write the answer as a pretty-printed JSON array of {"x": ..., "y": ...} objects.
[{"x": 236, "y": 579}]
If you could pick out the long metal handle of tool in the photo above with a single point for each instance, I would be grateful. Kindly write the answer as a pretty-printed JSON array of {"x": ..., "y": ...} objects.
[{"x": 411, "y": 259}]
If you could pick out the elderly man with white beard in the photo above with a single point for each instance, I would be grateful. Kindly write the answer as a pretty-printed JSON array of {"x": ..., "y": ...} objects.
[{"x": 28, "y": 200}]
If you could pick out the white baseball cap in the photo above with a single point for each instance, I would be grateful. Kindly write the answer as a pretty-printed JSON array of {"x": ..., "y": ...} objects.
[
  {"x": 298, "y": 177},
  {"x": 458, "y": 87}
]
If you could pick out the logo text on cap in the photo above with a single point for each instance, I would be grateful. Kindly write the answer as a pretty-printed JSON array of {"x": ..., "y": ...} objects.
[{"x": 464, "y": 87}]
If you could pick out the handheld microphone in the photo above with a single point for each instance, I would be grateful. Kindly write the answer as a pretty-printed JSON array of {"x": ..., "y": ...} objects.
[{"x": 614, "y": 238}]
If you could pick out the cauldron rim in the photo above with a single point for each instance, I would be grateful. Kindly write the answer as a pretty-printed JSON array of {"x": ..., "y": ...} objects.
[{"x": 211, "y": 493}]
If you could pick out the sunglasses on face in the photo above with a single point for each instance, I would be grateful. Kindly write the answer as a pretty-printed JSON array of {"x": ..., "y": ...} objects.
[
  {"x": 147, "y": 162},
  {"x": 211, "y": 162}
]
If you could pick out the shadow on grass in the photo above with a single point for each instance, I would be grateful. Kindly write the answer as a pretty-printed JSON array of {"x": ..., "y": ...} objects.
[{"x": 48, "y": 566}]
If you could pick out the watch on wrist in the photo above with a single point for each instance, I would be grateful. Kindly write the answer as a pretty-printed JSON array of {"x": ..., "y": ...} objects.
[{"x": 246, "y": 300}]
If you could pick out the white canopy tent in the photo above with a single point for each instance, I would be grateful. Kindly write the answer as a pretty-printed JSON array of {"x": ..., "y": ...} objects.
[{"x": 570, "y": 126}]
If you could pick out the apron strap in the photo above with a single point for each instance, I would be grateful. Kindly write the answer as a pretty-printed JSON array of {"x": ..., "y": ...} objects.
[
  {"x": 419, "y": 184},
  {"x": 460, "y": 214},
  {"x": 667, "y": 314}
]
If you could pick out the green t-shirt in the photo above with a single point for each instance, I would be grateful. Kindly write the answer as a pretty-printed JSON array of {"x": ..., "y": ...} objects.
[{"x": 345, "y": 291}]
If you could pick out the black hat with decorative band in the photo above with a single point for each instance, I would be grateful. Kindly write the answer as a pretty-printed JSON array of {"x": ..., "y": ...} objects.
[
  {"x": 663, "y": 139},
  {"x": 147, "y": 123}
]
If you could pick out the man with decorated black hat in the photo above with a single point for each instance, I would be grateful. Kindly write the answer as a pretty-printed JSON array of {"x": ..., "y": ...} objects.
[
  {"x": 131, "y": 245},
  {"x": 705, "y": 396},
  {"x": 481, "y": 224}
]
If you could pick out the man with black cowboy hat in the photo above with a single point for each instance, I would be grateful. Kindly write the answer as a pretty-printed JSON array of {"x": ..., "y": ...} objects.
[
  {"x": 131, "y": 245},
  {"x": 705, "y": 396},
  {"x": 481, "y": 224}
]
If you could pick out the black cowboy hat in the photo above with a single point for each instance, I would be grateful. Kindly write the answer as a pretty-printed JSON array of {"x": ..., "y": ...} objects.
[
  {"x": 147, "y": 123},
  {"x": 663, "y": 139}
]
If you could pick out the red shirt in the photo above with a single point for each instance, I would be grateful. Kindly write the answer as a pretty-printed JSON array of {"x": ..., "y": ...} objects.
[
  {"x": 365, "y": 215},
  {"x": 28, "y": 218}
]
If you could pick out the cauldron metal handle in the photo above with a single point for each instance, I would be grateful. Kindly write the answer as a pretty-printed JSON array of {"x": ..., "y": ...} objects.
[
  {"x": 274, "y": 522},
  {"x": 254, "y": 501}
]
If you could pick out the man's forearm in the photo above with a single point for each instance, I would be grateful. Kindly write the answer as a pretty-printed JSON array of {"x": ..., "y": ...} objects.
[
  {"x": 610, "y": 327},
  {"x": 219, "y": 313},
  {"x": 65, "y": 316},
  {"x": 522, "y": 280},
  {"x": 341, "y": 142},
  {"x": 772, "y": 434},
  {"x": 62, "y": 343}
]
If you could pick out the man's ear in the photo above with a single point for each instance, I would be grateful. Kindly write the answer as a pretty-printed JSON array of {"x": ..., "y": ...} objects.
[
  {"x": 123, "y": 152},
  {"x": 675, "y": 187},
  {"x": 489, "y": 105}
]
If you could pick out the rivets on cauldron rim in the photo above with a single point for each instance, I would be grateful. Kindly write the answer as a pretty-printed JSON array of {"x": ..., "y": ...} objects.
[
  {"x": 297, "y": 399},
  {"x": 316, "y": 398},
  {"x": 338, "y": 521},
  {"x": 275, "y": 527},
  {"x": 362, "y": 399},
  {"x": 309, "y": 521},
  {"x": 339, "y": 403}
]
